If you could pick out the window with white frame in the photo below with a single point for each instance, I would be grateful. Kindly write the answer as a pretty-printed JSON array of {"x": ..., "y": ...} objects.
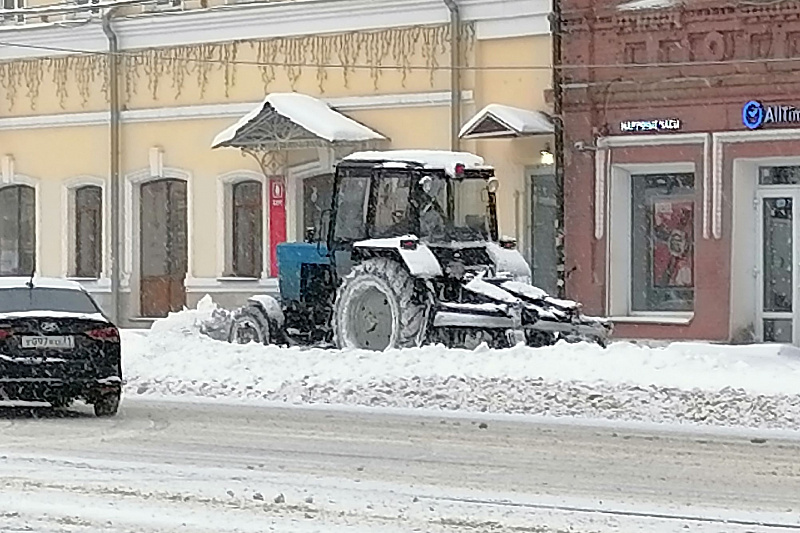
[
  {"x": 662, "y": 239},
  {"x": 17, "y": 230},
  {"x": 245, "y": 235},
  {"x": 12, "y": 5},
  {"x": 88, "y": 232}
]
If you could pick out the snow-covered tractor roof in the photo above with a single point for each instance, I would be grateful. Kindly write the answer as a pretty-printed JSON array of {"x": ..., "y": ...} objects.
[{"x": 428, "y": 159}]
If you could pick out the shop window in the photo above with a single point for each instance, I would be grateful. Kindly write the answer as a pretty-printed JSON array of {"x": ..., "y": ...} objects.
[
  {"x": 17, "y": 230},
  {"x": 247, "y": 237},
  {"x": 779, "y": 176},
  {"x": 662, "y": 243},
  {"x": 88, "y": 232}
]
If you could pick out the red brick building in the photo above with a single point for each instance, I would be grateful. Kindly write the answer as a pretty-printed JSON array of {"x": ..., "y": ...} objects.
[{"x": 682, "y": 166}]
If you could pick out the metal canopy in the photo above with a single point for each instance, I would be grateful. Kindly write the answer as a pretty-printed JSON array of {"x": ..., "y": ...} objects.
[
  {"x": 289, "y": 121},
  {"x": 496, "y": 121}
]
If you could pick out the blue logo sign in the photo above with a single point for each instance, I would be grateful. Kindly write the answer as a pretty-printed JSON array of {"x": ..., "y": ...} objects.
[{"x": 753, "y": 114}]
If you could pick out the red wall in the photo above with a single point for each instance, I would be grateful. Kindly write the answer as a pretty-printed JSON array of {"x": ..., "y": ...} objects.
[{"x": 678, "y": 47}]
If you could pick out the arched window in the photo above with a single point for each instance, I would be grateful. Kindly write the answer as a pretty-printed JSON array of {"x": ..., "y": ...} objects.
[
  {"x": 17, "y": 230},
  {"x": 88, "y": 231},
  {"x": 248, "y": 237}
]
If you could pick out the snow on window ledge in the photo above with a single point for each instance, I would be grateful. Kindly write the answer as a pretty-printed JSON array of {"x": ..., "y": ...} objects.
[
  {"x": 671, "y": 319},
  {"x": 231, "y": 284}
]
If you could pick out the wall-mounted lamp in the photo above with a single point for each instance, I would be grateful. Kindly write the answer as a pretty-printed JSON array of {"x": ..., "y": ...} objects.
[{"x": 547, "y": 156}]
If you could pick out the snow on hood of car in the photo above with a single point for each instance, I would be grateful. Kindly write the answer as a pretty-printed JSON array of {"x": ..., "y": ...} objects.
[{"x": 53, "y": 314}]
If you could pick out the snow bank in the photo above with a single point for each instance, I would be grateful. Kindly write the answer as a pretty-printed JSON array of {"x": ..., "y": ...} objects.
[{"x": 750, "y": 385}]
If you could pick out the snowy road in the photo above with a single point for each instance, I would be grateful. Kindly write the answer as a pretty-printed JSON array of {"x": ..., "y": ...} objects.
[{"x": 205, "y": 467}]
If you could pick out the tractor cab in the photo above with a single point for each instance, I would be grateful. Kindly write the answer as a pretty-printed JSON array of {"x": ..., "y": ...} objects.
[{"x": 380, "y": 195}]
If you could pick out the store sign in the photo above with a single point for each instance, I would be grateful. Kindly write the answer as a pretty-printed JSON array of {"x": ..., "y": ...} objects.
[
  {"x": 277, "y": 221},
  {"x": 755, "y": 114},
  {"x": 658, "y": 124}
]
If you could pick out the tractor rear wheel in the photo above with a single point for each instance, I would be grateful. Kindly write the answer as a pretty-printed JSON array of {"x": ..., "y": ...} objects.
[{"x": 378, "y": 307}]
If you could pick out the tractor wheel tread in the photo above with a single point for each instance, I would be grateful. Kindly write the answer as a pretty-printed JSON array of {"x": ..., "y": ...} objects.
[{"x": 411, "y": 321}]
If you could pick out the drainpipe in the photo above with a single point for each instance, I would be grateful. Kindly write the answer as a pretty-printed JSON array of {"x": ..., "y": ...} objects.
[
  {"x": 114, "y": 153},
  {"x": 455, "y": 73},
  {"x": 558, "y": 134}
]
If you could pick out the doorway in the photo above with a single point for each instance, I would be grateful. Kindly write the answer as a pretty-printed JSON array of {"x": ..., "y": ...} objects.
[
  {"x": 777, "y": 265},
  {"x": 163, "y": 247},
  {"x": 544, "y": 218}
]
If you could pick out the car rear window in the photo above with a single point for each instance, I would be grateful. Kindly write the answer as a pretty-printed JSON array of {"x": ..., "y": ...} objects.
[{"x": 43, "y": 299}]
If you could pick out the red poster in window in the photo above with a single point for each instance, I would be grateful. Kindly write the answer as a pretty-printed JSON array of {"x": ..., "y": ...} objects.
[
  {"x": 277, "y": 221},
  {"x": 673, "y": 243}
]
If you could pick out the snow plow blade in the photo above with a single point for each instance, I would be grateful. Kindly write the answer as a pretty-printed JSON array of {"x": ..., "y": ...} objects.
[{"x": 525, "y": 313}]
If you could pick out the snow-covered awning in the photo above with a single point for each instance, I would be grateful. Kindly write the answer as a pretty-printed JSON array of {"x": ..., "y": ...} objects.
[
  {"x": 499, "y": 121},
  {"x": 293, "y": 120}
]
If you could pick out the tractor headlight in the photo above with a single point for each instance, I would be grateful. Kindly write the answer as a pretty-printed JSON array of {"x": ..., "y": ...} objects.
[{"x": 493, "y": 184}]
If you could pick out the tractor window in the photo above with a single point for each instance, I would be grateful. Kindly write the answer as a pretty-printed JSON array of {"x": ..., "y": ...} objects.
[
  {"x": 392, "y": 216},
  {"x": 351, "y": 209}
]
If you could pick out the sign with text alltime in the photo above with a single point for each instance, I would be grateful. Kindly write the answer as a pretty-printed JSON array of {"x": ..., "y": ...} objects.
[
  {"x": 756, "y": 115},
  {"x": 657, "y": 124}
]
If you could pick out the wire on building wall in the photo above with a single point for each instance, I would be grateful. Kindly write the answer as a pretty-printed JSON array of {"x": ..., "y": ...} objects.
[{"x": 563, "y": 67}]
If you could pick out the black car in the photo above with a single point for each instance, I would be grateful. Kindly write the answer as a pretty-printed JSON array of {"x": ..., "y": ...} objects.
[{"x": 56, "y": 345}]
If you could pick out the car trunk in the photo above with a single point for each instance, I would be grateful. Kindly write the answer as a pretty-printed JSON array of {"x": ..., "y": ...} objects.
[{"x": 56, "y": 348}]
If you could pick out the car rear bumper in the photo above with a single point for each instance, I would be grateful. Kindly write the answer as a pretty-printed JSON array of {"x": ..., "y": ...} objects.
[{"x": 54, "y": 389}]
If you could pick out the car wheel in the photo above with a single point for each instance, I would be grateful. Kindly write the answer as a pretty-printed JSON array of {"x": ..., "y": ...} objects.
[
  {"x": 107, "y": 404},
  {"x": 60, "y": 403}
]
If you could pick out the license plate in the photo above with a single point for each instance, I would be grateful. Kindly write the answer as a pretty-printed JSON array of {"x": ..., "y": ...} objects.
[{"x": 42, "y": 342}]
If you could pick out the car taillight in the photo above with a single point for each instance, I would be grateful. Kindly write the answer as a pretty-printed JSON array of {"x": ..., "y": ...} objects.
[
  {"x": 104, "y": 334},
  {"x": 4, "y": 334}
]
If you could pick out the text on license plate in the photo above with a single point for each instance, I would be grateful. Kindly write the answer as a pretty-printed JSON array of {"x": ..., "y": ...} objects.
[{"x": 49, "y": 341}]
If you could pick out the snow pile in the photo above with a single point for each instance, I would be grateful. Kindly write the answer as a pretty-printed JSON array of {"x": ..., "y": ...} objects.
[{"x": 755, "y": 385}]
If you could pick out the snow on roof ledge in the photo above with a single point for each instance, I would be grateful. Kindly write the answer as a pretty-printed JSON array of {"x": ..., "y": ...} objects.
[
  {"x": 308, "y": 113},
  {"x": 498, "y": 120},
  {"x": 637, "y": 5},
  {"x": 433, "y": 159}
]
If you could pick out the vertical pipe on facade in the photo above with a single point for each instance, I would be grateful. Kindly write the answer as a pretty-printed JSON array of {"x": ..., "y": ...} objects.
[
  {"x": 114, "y": 158},
  {"x": 558, "y": 134},
  {"x": 455, "y": 73}
]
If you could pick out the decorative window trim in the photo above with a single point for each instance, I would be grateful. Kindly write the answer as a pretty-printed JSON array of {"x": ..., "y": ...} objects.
[
  {"x": 70, "y": 186},
  {"x": 225, "y": 183},
  {"x": 23, "y": 179},
  {"x": 131, "y": 228},
  {"x": 618, "y": 244}
]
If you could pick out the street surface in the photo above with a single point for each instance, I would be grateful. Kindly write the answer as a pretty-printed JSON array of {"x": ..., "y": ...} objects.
[{"x": 205, "y": 467}]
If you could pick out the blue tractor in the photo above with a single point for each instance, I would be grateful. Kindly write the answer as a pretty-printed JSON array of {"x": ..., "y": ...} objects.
[{"x": 409, "y": 254}]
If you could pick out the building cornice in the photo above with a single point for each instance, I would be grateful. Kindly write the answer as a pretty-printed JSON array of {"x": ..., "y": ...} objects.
[
  {"x": 222, "y": 111},
  {"x": 493, "y": 19}
]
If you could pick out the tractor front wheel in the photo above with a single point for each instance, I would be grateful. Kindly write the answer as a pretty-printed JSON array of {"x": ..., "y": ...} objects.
[
  {"x": 378, "y": 307},
  {"x": 249, "y": 324}
]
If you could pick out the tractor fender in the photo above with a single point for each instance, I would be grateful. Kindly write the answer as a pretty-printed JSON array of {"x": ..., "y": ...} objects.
[
  {"x": 510, "y": 261},
  {"x": 270, "y": 306},
  {"x": 420, "y": 261}
]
